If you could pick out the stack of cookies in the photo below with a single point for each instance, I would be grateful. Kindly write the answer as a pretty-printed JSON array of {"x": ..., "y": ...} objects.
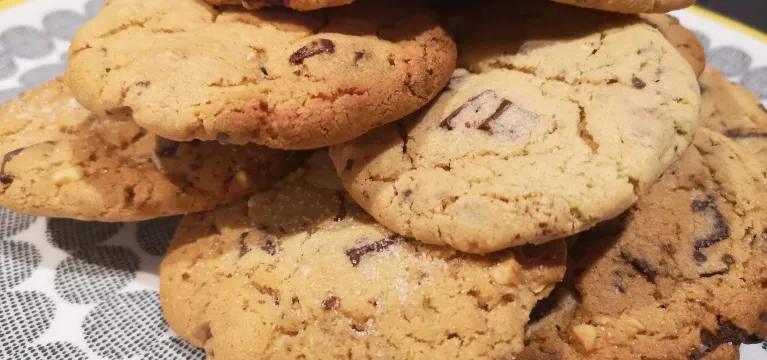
[{"x": 414, "y": 179}]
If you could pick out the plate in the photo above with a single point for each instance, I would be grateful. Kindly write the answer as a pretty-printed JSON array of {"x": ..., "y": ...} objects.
[{"x": 88, "y": 291}]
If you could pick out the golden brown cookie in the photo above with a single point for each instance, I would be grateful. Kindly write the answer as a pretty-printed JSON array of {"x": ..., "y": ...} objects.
[
  {"x": 539, "y": 139},
  {"x": 276, "y": 77},
  {"x": 685, "y": 41},
  {"x": 680, "y": 276},
  {"x": 60, "y": 160},
  {"x": 300, "y": 271},
  {"x": 734, "y": 111},
  {"x": 631, "y": 6},
  {"x": 300, "y": 5}
]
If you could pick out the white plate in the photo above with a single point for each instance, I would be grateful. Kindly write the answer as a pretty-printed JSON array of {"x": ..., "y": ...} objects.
[{"x": 76, "y": 290}]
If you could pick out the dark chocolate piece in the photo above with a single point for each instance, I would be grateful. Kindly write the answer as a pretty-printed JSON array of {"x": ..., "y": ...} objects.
[
  {"x": 356, "y": 254},
  {"x": 314, "y": 48},
  {"x": 737, "y": 134},
  {"x": 7, "y": 179},
  {"x": 721, "y": 229},
  {"x": 331, "y": 303},
  {"x": 244, "y": 249},
  {"x": 638, "y": 83},
  {"x": 485, "y": 126}
]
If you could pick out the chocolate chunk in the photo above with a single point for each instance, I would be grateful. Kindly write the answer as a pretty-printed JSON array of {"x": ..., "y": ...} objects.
[
  {"x": 699, "y": 257},
  {"x": 244, "y": 249},
  {"x": 356, "y": 254},
  {"x": 447, "y": 122},
  {"x": 358, "y": 56},
  {"x": 737, "y": 134},
  {"x": 715, "y": 273},
  {"x": 341, "y": 214},
  {"x": 406, "y": 195},
  {"x": 223, "y": 139},
  {"x": 638, "y": 83},
  {"x": 168, "y": 149},
  {"x": 331, "y": 303},
  {"x": 485, "y": 126},
  {"x": 728, "y": 259},
  {"x": 720, "y": 228},
  {"x": 349, "y": 165},
  {"x": 726, "y": 333},
  {"x": 143, "y": 84},
  {"x": 270, "y": 244},
  {"x": 642, "y": 267},
  {"x": 7, "y": 179},
  {"x": 314, "y": 48}
]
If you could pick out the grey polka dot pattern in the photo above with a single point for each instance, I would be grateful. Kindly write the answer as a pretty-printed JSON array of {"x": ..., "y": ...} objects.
[
  {"x": 93, "y": 7},
  {"x": 17, "y": 261},
  {"x": 95, "y": 273},
  {"x": 9, "y": 94},
  {"x": 756, "y": 81},
  {"x": 13, "y": 223},
  {"x": 40, "y": 75},
  {"x": 173, "y": 348},
  {"x": 7, "y": 65},
  {"x": 729, "y": 60},
  {"x": 154, "y": 235},
  {"x": 52, "y": 351},
  {"x": 73, "y": 234},
  {"x": 26, "y": 42},
  {"x": 24, "y": 316},
  {"x": 63, "y": 24},
  {"x": 124, "y": 325}
]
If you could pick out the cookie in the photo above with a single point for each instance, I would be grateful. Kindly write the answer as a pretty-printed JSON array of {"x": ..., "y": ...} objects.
[
  {"x": 275, "y": 77},
  {"x": 300, "y": 5},
  {"x": 631, "y": 6},
  {"x": 685, "y": 41},
  {"x": 734, "y": 111},
  {"x": 680, "y": 276},
  {"x": 60, "y": 160},
  {"x": 538, "y": 139},
  {"x": 300, "y": 271}
]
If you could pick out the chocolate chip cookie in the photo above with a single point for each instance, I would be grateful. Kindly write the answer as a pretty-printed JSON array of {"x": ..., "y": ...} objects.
[
  {"x": 539, "y": 139},
  {"x": 685, "y": 41},
  {"x": 631, "y": 6},
  {"x": 300, "y": 271},
  {"x": 186, "y": 70},
  {"x": 59, "y": 160},
  {"x": 734, "y": 111},
  {"x": 680, "y": 276},
  {"x": 300, "y": 5}
]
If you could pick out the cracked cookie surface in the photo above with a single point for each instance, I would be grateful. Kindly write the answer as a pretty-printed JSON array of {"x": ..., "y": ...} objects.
[
  {"x": 60, "y": 160},
  {"x": 684, "y": 40},
  {"x": 539, "y": 139},
  {"x": 276, "y": 77},
  {"x": 680, "y": 276},
  {"x": 300, "y": 5},
  {"x": 301, "y": 271},
  {"x": 735, "y": 111},
  {"x": 631, "y": 6}
]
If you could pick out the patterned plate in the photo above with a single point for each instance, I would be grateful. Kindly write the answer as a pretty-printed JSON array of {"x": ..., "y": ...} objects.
[{"x": 78, "y": 290}]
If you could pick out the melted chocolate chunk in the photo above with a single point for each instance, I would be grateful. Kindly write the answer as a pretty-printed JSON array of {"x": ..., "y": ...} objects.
[
  {"x": 715, "y": 273},
  {"x": 728, "y": 259},
  {"x": 7, "y": 179},
  {"x": 270, "y": 244},
  {"x": 638, "y": 83},
  {"x": 356, "y": 254},
  {"x": 720, "y": 228},
  {"x": 143, "y": 84},
  {"x": 331, "y": 303},
  {"x": 314, "y": 48},
  {"x": 406, "y": 194},
  {"x": 358, "y": 56},
  {"x": 485, "y": 126},
  {"x": 738, "y": 134},
  {"x": 244, "y": 249},
  {"x": 699, "y": 257},
  {"x": 168, "y": 149},
  {"x": 341, "y": 214},
  {"x": 447, "y": 123},
  {"x": 642, "y": 267},
  {"x": 349, "y": 165},
  {"x": 726, "y": 333}
]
